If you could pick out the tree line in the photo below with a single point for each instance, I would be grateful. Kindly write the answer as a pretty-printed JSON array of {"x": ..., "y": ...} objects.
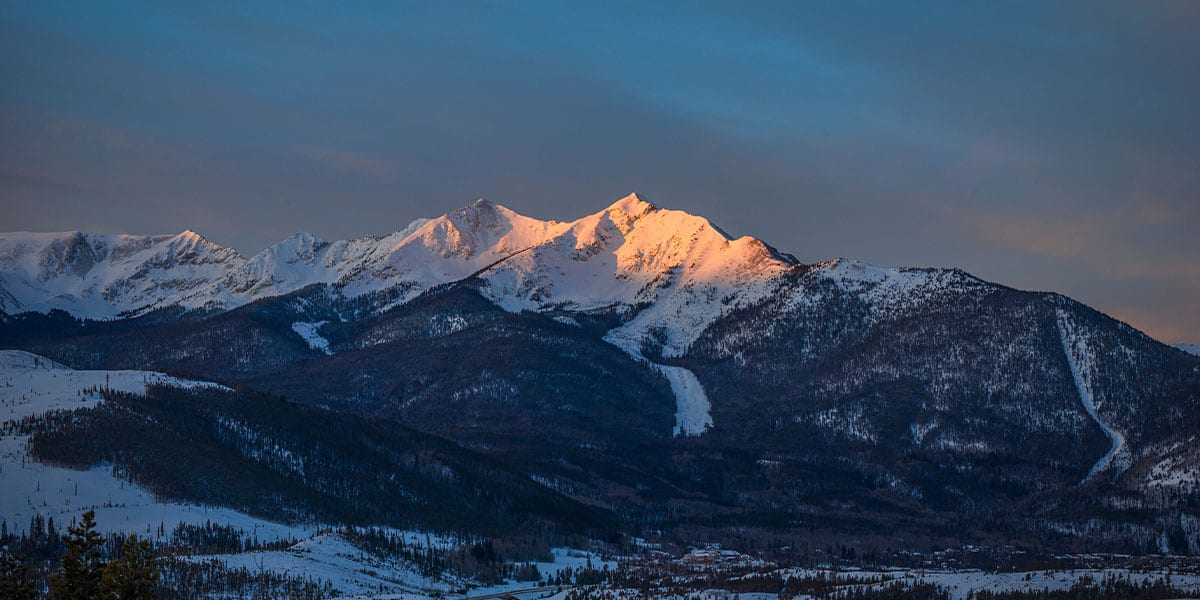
[{"x": 84, "y": 572}]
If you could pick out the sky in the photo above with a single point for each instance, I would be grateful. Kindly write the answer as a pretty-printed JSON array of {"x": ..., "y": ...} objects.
[{"x": 1043, "y": 145}]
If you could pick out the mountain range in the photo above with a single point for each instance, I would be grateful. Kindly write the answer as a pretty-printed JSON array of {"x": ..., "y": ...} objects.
[{"x": 642, "y": 361}]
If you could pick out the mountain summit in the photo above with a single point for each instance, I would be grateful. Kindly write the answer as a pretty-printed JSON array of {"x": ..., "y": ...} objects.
[
  {"x": 672, "y": 272},
  {"x": 621, "y": 255}
]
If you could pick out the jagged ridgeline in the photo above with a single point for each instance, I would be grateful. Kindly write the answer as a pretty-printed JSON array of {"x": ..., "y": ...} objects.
[
  {"x": 643, "y": 361},
  {"x": 274, "y": 459}
]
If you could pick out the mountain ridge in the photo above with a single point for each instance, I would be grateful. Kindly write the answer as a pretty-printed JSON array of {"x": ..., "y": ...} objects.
[
  {"x": 119, "y": 275},
  {"x": 668, "y": 275},
  {"x": 643, "y": 360}
]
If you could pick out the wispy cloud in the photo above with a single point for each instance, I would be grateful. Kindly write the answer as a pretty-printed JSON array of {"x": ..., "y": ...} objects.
[{"x": 350, "y": 161}]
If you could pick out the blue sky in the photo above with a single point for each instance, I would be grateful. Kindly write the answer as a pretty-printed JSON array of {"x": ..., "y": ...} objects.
[{"x": 1050, "y": 146}]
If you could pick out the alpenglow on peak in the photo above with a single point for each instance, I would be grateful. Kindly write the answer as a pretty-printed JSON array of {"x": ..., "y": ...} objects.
[{"x": 628, "y": 253}]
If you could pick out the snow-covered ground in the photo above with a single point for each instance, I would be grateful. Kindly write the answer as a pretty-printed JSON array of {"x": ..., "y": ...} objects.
[
  {"x": 1189, "y": 348},
  {"x": 31, "y": 385},
  {"x": 958, "y": 583},
  {"x": 331, "y": 557},
  {"x": 355, "y": 573},
  {"x": 961, "y": 583},
  {"x": 1177, "y": 468}
]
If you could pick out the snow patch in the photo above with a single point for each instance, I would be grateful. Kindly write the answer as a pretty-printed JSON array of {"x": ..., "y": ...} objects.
[
  {"x": 693, "y": 414},
  {"x": 308, "y": 331},
  {"x": 1173, "y": 473}
]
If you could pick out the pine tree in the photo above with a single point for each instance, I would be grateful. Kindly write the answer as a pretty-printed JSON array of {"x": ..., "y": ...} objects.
[
  {"x": 79, "y": 578},
  {"x": 16, "y": 583},
  {"x": 132, "y": 576}
]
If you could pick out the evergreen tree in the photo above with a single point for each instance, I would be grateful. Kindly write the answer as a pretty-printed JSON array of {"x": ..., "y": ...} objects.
[
  {"x": 132, "y": 576},
  {"x": 16, "y": 583},
  {"x": 79, "y": 578}
]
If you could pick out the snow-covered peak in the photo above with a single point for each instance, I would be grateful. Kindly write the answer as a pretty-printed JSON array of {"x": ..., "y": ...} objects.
[
  {"x": 430, "y": 252},
  {"x": 680, "y": 270},
  {"x": 280, "y": 268},
  {"x": 483, "y": 229},
  {"x": 629, "y": 254},
  {"x": 670, "y": 274},
  {"x": 298, "y": 247},
  {"x": 303, "y": 239},
  {"x": 632, "y": 205},
  {"x": 1193, "y": 349},
  {"x": 103, "y": 275},
  {"x": 189, "y": 236},
  {"x": 189, "y": 247}
]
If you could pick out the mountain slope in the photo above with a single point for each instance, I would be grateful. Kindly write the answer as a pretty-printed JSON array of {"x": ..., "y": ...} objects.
[
  {"x": 622, "y": 255},
  {"x": 197, "y": 442},
  {"x": 103, "y": 276},
  {"x": 669, "y": 273},
  {"x": 41, "y": 386},
  {"x": 833, "y": 395}
]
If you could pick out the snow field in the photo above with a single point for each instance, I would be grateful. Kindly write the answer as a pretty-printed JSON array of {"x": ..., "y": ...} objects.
[
  {"x": 308, "y": 331},
  {"x": 32, "y": 385}
]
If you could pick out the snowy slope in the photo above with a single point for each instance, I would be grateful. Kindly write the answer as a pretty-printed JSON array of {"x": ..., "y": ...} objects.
[
  {"x": 101, "y": 276},
  {"x": 31, "y": 385},
  {"x": 678, "y": 271},
  {"x": 1189, "y": 348},
  {"x": 1083, "y": 365},
  {"x": 671, "y": 272},
  {"x": 667, "y": 273},
  {"x": 891, "y": 290},
  {"x": 332, "y": 558},
  {"x": 684, "y": 269},
  {"x": 304, "y": 259},
  {"x": 629, "y": 254},
  {"x": 355, "y": 573}
]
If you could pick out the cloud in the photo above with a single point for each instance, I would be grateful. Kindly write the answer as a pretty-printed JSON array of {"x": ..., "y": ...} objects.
[{"x": 347, "y": 160}]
